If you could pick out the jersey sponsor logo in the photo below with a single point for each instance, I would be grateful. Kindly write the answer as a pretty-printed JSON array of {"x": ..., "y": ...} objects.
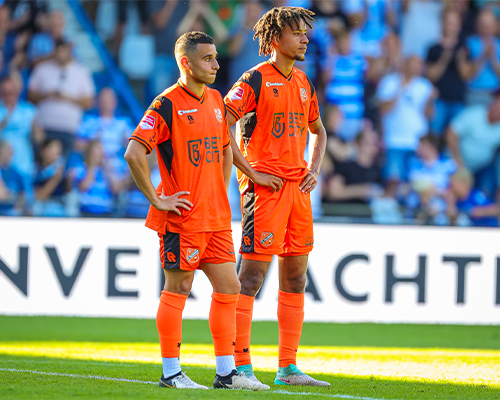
[
  {"x": 278, "y": 125},
  {"x": 148, "y": 122},
  {"x": 236, "y": 93},
  {"x": 247, "y": 241},
  {"x": 194, "y": 151},
  {"x": 182, "y": 112},
  {"x": 218, "y": 114},
  {"x": 157, "y": 104},
  {"x": 266, "y": 239},
  {"x": 171, "y": 257},
  {"x": 303, "y": 94},
  {"x": 190, "y": 119},
  {"x": 246, "y": 76},
  {"x": 193, "y": 255},
  {"x": 270, "y": 84}
]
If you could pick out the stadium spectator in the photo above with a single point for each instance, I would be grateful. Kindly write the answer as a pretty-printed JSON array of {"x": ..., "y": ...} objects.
[
  {"x": 62, "y": 89},
  {"x": 406, "y": 100},
  {"x": 473, "y": 139},
  {"x": 112, "y": 131},
  {"x": 244, "y": 51},
  {"x": 359, "y": 180},
  {"x": 344, "y": 73},
  {"x": 51, "y": 182},
  {"x": 484, "y": 51},
  {"x": 14, "y": 192},
  {"x": 25, "y": 14},
  {"x": 469, "y": 206},
  {"x": 447, "y": 68},
  {"x": 42, "y": 44},
  {"x": 123, "y": 9},
  {"x": 7, "y": 36},
  {"x": 18, "y": 126},
  {"x": 165, "y": 18},
  {"x": 420, "y": 26},
  {"x": 96, "y": 183},
  {"x": 429, "y": 178}
]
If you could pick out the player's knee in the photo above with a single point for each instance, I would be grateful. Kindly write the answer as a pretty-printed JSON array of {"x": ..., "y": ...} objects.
[
  {"x": 251, "y": 283},
  {"x": 294, "y": 284}
]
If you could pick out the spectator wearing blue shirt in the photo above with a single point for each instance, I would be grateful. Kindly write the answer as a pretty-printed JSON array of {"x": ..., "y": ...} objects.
[
  {"x": 429, "y": 178},
  {"x": 112, "y": 131},
  {"x": 469, "y": 206},
  {"x": 51, "y": 183},
  {"x": 18, "y": 125},
  {"x": 96, "y": 183},
  {"x": 473, "y": 138},
  {"x": 344, "y": 76},
  {"x": 447, "y": 68},
  {"x": 42, "y": 44},
  {"x": 484, "y": 52},
  {"x": 14, "y": 192}
]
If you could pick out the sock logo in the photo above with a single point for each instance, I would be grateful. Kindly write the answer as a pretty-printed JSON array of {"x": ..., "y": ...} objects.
[
  {"x": 171, "y": 257},
  {"x": 234, "y": 343},
  {"x": 193, "y": 255},
  {"x": 178, "y": 345},
  {"x": 246, "y": 350},
  {"x": 266, "y": 239}
]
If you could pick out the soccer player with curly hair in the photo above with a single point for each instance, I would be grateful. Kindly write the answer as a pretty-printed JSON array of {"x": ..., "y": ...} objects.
[{"x": 276, "y": 107}]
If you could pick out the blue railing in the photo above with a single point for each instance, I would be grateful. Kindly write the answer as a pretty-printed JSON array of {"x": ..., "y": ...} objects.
[{"x": 117, "y": 78}]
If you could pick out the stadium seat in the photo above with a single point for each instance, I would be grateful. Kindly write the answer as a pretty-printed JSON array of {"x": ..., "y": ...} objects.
[{"x": 137, "y": 56}]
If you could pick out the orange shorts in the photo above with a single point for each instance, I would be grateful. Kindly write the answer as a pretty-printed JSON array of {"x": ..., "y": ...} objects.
[
  {"x": 278, "y": 223},
  {"x": 186, "y": 251}
]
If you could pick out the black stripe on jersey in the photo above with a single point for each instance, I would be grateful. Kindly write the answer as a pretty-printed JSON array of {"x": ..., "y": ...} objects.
[
  {"x": 232, "y": 111},
  {"x": 247, "y": 126},
  {"x": 142, "y": 141},
  {"x": 167, "y": 153},
  {"x": 281, "y": 73},
  {"x": 171, "y": 244},
  {"x": 248, "y": 223},
  {"x": 165, "y": 109},
  {"x": 254, "y": 79},
  {"x": 311, "y": 86}
]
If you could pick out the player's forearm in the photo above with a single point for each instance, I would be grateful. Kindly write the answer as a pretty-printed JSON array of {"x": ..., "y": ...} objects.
[
  {"x": 139, "y": 168},
  {"x": 317, "y": 146},
  {"x": 227, "y": 165}
]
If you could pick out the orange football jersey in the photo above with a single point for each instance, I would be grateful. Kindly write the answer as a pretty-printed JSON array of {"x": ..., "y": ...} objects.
[
  {"x": 189, "y": 134},
  {"x": 274, "y": 112}
]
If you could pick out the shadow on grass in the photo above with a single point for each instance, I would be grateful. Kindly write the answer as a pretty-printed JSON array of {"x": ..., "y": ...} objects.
[
  {"x": 22, "y": 383},
  {"x": 264, "y": 333}
]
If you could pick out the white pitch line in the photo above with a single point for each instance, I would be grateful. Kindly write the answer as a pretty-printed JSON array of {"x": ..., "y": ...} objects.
[{"x": 107, "y": 378}]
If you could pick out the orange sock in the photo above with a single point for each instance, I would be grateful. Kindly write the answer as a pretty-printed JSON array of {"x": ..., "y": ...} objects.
[
  {"x": 290, "y": 321},
  {"x": 244, "y": 310},
  {"x": 169, "y": 323},
  {"x": 222, "y": 322}
]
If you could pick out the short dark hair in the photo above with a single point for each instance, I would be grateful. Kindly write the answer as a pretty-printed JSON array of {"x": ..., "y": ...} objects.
[
  {"x": 273, "y": 22},
  {"x": 432, "y": 139},
  {"x": 188, "y": 42}
]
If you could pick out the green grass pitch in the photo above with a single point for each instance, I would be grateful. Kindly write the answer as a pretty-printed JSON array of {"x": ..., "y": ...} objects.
[{"x": 88, "y": 358}]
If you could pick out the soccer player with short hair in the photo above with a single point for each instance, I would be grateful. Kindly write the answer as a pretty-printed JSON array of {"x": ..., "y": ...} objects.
[
  {"x": 187, "y": 124},
  {"x": 277, "y": 109}
]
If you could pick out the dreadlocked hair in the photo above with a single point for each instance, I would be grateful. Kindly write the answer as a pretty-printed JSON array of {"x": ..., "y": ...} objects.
[{"x": 272, "y": 24}]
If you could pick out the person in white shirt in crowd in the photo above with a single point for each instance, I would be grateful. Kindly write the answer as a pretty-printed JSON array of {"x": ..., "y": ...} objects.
[
  {"x": 406, "y": 102},
  {"x": 62, "y": 89},
  {"x": 473, "y": 138}
]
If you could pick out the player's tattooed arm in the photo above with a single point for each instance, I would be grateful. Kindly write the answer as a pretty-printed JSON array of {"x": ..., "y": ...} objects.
[
  {"x": 259, "y": 178},
  {"x": 317, "y": 146},
  {"x": 138, "y": 164}
]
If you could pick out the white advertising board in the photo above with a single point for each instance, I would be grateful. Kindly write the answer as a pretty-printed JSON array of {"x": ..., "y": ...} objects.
[{"x": 89, "y": 267}]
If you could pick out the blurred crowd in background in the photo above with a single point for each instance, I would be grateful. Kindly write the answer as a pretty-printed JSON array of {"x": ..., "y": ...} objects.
[{"x": 409, "y": 93}]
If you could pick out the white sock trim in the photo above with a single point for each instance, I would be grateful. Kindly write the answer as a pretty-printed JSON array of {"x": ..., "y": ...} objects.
[
  {"x": 171, "y": 366},
  {"x": 224, "y": 365}
]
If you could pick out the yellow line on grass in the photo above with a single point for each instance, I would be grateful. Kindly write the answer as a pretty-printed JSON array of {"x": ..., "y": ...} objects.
[{"x": 429, "y": 365}]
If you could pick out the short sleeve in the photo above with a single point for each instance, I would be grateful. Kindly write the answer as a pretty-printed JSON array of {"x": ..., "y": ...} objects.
[
  {"x": 387, "y": 88},
  {"x": 462, "y": 123},
  {"x": 313, "y": 108},
  {"x": 244, "y": 95},
  {"x": 155, "y": 126}
]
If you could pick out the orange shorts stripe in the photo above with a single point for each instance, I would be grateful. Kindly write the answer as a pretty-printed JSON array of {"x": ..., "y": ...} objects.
[{"x": 257, "y": 257}]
